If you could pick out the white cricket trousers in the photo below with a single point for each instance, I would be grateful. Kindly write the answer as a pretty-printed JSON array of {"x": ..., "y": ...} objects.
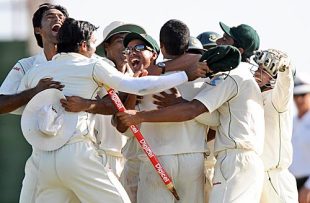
[
  {"x": 77, "y": 167},
  {"x": 238, "y": 177},
  {"x": 115, "y": 161},
  {"x": 279, "y": 187},
  {"x": 130, "y": 178},
  {"x": 209, "y": 170},
  {"x": 30, "y": 181},
  {"x": 187, "y": 173}
]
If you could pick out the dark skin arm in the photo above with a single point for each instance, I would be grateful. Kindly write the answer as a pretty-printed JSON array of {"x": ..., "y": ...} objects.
[
  {"x": 165, "y": 99},
  {"x": 176, "y": 113},
  {"x": 178, "y": 64},
  {"x": 102, "y": 106},
  {"x": 130, "y": 103},
  {"x": 10, "y": 103}
]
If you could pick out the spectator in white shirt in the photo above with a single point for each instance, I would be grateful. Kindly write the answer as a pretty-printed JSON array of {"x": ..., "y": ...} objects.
[{"x": 301, "y": 137}]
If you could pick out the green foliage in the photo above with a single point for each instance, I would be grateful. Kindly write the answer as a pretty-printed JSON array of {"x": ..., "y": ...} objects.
[{"x": 14, "y": 150}]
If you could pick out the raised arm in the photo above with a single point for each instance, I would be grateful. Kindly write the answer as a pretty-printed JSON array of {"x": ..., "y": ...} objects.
[{"x": 282, "y": 94}]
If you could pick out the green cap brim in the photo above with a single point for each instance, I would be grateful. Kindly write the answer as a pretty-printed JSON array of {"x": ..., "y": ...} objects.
[
  {"x": 132, "y": 36},
  {"x": 126, "y": 28},
  {"x": 226, "y": 29}
]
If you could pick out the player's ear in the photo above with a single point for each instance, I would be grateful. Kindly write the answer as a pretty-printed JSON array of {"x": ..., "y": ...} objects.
[
  {"x": 83, "y": 48},
  {"x": 154, "y": 56},
  {"x": 241, "y": 50},
  {"x": 37, "y": 30}
]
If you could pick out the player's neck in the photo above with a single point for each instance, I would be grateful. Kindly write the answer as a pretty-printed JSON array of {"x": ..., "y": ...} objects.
[{"x": 49, "y": 50}]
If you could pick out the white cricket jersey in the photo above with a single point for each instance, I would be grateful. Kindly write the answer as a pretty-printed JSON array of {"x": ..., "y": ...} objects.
[
  {"x": 84, "y": 76},
  {"x": 12, "y": 81},
  {"x": 237, "y": 98},
  {"x": 300, "y": 166},
  {"x": 278, "y": 108},
  {"x": 109, "y": 138},
  {"x": 107, "y": 135},
  {"x": 176, "y": 137}
]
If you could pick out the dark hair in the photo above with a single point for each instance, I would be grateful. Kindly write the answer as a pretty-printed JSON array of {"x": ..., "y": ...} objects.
[
  {"x": 38, "y": 15},
  {"x": 72, "y": 33},
  {"x": 174, "y": 35}
]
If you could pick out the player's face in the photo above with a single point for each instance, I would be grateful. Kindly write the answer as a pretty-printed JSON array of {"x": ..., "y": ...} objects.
[
  {"x": 139, "y": 59},
  {"x": 262, "y": 77},
  {"x": 51, "y": 21},
  {"x": 302, "y": 102},
  {"x": 115, "y": 48},
  {"x": 91, "y": 48},
  {"x": 225, "y": 40}
]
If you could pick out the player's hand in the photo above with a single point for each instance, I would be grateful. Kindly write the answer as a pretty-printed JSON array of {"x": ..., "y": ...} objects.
[
  {"x": 140, "y": 73},
  {"x": 75, "y": 104},
  {"x": 304, "y": 195},
  {"x": 128, "y": 118},
  {"x": 165, "y": 99},
  {"x": 199, "y": 70},
  {"x": 47, "y": 83}
]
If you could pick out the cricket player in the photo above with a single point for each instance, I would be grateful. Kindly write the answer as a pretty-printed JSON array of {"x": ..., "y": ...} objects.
[
  {"x": 82, "y": 75},
  {"x": 111, "y": 141},
  {"x": 239, "y": 138},
  {"x": 176, "y": 153},
  {"x": 275, "y": 79},
  {"x": 139, "y": 58},
  {"x": 46, "y": 22}
]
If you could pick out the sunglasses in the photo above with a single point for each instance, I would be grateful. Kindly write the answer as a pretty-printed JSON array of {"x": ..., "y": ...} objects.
[{"x": 137, "y": 48}]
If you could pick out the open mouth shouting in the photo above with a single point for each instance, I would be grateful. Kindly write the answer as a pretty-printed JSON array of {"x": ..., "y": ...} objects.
[
  {"x": 135, "y": 63},
  {"x": 55, "y": 29}
]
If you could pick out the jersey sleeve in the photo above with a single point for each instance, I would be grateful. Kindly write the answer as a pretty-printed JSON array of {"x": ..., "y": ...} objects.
[
  {"x": 12, "y": 81},
  {"x": 23, "y": 85},
  {"x": 209, "y": 119},
  {"x": 282, "y": 93},
  {"x": 220, "y": 90},
  {"x": 106, "y": 74}
]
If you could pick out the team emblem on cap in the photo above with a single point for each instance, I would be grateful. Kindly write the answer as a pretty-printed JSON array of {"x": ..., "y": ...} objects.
[{"x": 212, "y": 37}]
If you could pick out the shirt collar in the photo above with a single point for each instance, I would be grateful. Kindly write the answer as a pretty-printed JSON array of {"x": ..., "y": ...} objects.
[{"x": 68, "y": 55}]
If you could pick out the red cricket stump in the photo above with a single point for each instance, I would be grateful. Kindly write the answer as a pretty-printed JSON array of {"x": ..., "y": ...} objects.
[{"x": 146, "y": 148}]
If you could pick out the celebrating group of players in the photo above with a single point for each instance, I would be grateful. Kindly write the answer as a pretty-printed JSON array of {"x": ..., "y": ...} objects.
[{"x": 216, "y": 112}]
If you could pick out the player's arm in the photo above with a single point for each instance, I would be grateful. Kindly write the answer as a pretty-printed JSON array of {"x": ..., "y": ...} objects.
[
  {"x": 176, "y": 113},
  {"x": 282, "y": 94},
  {"x": 107, "y": 74},
  {"x": 165, "y": 99},
  {"x": 179, "y": 64},
  {"x": 102, "y": 106},
  {"x": 10, "y": 103},
  {"x": 207, "y": 100}
]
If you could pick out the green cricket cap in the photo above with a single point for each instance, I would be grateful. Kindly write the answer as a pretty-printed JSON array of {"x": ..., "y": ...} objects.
[
  {"x": 244, "y": 36},
  {"x": 150, "y": 41}
]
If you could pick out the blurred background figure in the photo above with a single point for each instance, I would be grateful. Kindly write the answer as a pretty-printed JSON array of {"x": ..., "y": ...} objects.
[{"x": 301, "y": 137}]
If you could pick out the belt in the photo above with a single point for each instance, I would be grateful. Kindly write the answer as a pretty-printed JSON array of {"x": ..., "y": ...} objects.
[
  {"x": 110, "y": 152},
  {"x": 82, "y": 138}
]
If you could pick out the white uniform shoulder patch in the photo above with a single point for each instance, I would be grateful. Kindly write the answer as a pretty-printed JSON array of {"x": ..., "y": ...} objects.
[{"x": 217, "y": 79}]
